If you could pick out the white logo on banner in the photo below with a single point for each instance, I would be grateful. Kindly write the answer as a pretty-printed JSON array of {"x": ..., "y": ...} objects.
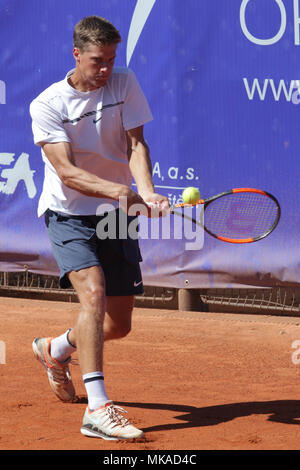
[
  {"x": 139, "y": 18},
  {"x": 19, "y": 172},
  {"x": 263, "y": 42},
  {"x": 282, "y": 26},
  {"x": 2, "y": 92},
  {"x": 259, "y": 87}
]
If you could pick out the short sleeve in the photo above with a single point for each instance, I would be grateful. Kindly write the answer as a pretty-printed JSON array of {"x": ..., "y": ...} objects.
[
  {"x": 47, "y": 125},
  {"x": 135, "y": 111}
]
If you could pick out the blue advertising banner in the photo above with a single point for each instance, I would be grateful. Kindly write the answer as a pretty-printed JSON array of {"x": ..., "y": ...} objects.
[{"x": 222, "y": 80}]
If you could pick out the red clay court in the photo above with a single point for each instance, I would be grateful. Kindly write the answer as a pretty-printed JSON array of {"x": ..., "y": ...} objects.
[{"x": 190, "y": 380}]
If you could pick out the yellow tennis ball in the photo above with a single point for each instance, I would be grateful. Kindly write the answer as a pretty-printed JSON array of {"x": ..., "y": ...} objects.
[{"x": 191, "y": 195}]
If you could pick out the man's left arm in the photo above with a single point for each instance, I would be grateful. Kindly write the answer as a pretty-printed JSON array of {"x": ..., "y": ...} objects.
[{"x": 141, "y": 168}]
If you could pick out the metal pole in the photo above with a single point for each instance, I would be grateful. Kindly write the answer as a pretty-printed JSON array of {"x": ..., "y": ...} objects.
[{"x": 189, "y": 300}]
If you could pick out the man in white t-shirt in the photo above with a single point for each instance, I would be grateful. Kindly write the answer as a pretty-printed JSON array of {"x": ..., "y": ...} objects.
[{"x": 90, "y": 129}]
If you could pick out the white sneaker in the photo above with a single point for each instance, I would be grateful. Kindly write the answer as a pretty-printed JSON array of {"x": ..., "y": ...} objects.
[
  {"x": 58, "y": 373},
  {"x": 108, "y": 423}
]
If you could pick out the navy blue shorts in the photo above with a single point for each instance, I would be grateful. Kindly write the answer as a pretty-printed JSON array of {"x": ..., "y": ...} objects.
[{"x": 76, "y": 246}]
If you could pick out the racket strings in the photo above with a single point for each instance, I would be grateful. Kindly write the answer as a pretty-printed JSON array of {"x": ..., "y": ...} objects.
[{"x": 241, "y": 215}]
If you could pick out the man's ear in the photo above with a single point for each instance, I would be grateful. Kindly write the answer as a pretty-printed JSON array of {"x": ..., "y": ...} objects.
[{"x": 76, "y": 54}]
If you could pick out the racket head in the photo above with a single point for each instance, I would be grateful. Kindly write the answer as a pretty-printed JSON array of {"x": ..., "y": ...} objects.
[{"x": 241, "y": 215}]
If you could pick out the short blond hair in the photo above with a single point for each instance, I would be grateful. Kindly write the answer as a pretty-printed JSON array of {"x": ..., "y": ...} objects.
[{"x": 94, "y": 30}]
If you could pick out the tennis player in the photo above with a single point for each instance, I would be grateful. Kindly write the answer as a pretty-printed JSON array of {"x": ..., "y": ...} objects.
[{"x": 90, "y": 129}]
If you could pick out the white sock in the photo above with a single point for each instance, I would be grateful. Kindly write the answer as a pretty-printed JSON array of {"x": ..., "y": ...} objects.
[
  {"x": 61, "y": 349},
  {"x": 95, "y": 389}
]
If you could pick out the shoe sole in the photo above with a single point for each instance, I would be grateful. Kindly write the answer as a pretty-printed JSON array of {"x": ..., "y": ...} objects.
[
  {"x": 37, "y": 356},
  {"x": 91, "y": 433}
]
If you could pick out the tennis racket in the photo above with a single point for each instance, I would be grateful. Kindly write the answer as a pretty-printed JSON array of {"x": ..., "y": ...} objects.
[{"x": 240, "y": 215}]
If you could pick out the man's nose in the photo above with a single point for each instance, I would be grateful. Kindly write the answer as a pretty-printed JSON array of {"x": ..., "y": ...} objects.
[{"x": 103, "y": 66}]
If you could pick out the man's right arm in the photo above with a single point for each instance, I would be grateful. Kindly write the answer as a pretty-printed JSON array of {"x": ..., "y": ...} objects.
[{"x": 61, "y": 157}]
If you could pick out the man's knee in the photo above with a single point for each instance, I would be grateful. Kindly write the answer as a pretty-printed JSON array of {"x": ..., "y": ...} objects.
[
  {"x": 113, "y": 331},
  {"x": 95, "y": 295}
]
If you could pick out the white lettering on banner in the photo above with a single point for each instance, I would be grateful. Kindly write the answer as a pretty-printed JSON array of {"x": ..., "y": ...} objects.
[
  {"x": 175, "y": 173},
  {"x": 2, "y": 92},
  {"x": 20, "y": 172},
  {"x": 156, "y": 170},
  {"x": 296, "y": 21},
  {"x": 140, "y": 15},
  {"x": 288, "y": 91},
  {"x": 282, "y": 27},
  {"x": 263, "y": 42}
]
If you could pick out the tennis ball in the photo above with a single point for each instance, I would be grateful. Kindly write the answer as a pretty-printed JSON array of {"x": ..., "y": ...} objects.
[{"x": 191, "y": 195}]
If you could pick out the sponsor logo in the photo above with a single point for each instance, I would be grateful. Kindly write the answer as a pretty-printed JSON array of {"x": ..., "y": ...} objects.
[
  {"x": 92, "y": 113},
  {"x": 280, "y": 28},
  {"x": 2, "y": 92},
  {"x": 140, "y": 15},
  {"x": 262, "y": 88},
  {"x": 20, "y": 171}
]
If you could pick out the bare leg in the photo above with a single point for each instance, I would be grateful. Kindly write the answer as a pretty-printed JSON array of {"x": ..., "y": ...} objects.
[
  {"x": 102, "y": 418},
  {"x": 87, "y": 335},
  {"x": 117, "y": 323}
]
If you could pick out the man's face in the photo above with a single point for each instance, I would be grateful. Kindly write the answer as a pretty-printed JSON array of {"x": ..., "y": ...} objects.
[{"x": 95, "y": 64}]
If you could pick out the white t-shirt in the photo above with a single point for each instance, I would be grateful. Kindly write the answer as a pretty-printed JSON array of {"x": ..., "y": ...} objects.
[{"x": 94, "y": 123}]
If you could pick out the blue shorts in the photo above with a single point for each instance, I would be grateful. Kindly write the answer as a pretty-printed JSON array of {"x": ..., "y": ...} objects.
[{"x": 76, "y": 246}]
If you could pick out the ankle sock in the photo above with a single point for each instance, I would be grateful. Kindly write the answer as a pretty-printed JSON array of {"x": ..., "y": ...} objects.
[
  {"x": 95, "y": 389},
  {"x": 61, "y": 348}
]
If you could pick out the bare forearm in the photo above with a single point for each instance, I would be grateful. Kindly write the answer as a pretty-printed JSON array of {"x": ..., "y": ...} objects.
[
  {"x": 141, "y": 168},
  {"x": 61, "y": 157},
  {"x": 91, "y": 185}
]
